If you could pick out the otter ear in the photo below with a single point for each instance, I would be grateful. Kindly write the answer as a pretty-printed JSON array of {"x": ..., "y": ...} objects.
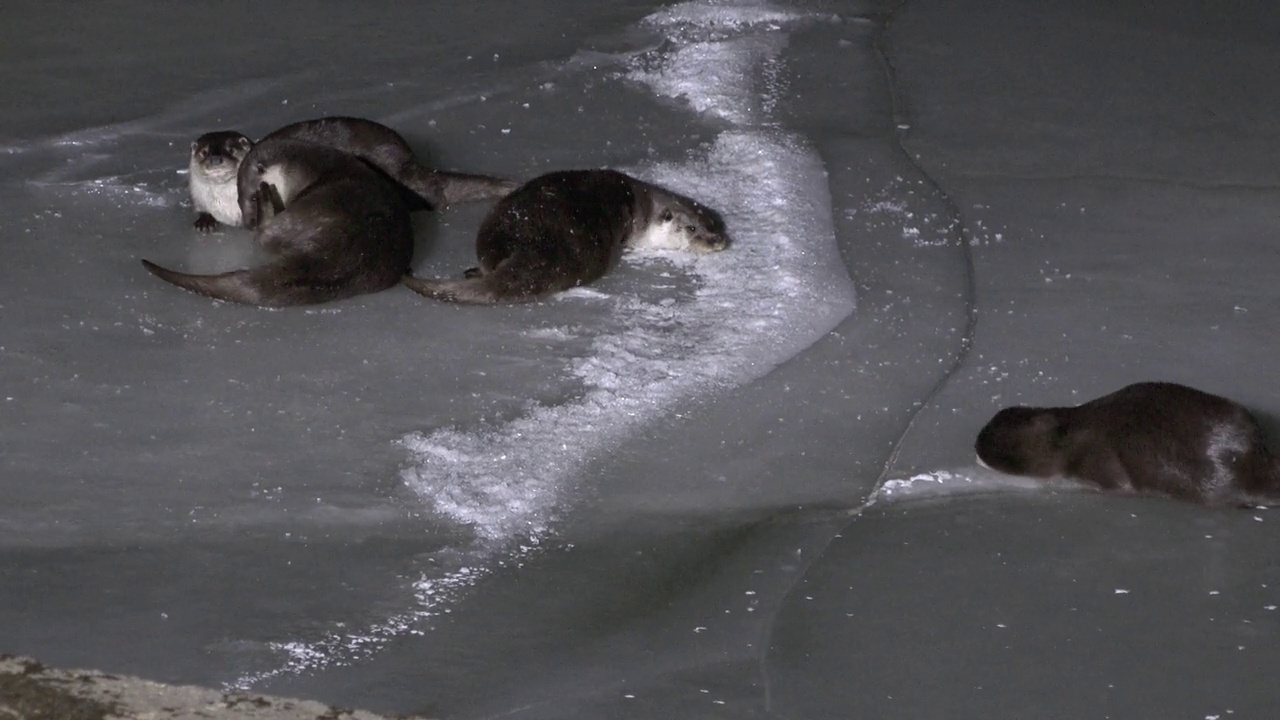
[
  {"x": 194, "y": 145},
  {"x": 244, "y": 143},
  {"x": 666, "y": 215}
]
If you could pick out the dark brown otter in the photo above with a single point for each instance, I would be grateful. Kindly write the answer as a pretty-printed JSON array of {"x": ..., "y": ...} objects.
[
  {"x": 569, "y": 228},
  {"x": 338, "y": 227},
  {"x": 1153, "y": 437},
  {"x": 213, "y": 154}
]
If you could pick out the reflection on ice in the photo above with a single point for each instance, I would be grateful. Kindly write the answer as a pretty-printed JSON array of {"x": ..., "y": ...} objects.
[{"x": 975, "y": 480}]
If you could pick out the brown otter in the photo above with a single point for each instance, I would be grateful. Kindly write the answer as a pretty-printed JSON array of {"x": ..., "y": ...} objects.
[
  {"x": 568, "y": 228},
  {"x": 1151, "y": 437},
  {"x": 339, "y": 228},
  {"x": 214, "y": 153}
]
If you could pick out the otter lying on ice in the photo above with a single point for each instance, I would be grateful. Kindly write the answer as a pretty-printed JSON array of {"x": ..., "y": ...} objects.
[
  {"x": 216, "y": 158},
  {"x": 569, "y": 228},
  {"x": 1150, "y": 437},
  {"x": 336, "y": 225}
]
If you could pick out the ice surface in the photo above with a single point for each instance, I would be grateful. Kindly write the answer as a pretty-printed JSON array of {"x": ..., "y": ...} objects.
[
  {"x": 948, "y": 483},
  {"x": 709, "y": 486},
  {"x": 665, "y": 349},
  {"x": 781, "y": 287}
]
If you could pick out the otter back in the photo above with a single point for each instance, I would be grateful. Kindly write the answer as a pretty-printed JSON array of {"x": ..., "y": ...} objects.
[
  {"x": 337, "y": 229},
  {"x": 569, "y": 228},
  {"x": 1159, "y": 438},
  {"x": 388, "y": 152}
]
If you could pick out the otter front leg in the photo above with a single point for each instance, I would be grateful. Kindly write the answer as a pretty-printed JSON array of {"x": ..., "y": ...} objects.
[{"x": 268, "y": 202}]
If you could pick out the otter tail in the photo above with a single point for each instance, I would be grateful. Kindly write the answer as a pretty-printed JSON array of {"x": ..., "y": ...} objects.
[
  {"x": 512, "y": 281},
  {"x": 441, "y": 189},
  {"x": 467, "y": 291},
  {"x": 266, "y": 285}
]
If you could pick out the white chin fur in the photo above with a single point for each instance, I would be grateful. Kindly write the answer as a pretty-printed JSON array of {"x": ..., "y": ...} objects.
[
  {"x": 219, "y": 175},
  {"x": 221, "y": 200},
  {"x": 660, "y": 236},
  {"x": 275, "y": 178}
]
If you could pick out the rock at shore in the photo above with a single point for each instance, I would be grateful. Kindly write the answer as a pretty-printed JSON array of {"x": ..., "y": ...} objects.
[{"x": 31, "y": 691}]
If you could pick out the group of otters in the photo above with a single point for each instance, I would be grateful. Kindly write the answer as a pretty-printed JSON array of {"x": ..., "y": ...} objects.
[{"x": 330, "y": 198}]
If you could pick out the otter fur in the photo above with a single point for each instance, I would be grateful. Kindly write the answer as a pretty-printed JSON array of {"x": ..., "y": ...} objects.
[
  {"x": 337, "y": 227},
  {"x": 380, "y": 146},
  {"x": 569, "y": 228},
  {"x": 211, "y": 174},
  {"x": 1153, "y": 437}
]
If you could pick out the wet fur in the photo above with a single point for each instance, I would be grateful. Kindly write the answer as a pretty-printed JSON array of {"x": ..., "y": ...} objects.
[
  {"x": 569, "y": 228},
  {"x": 378, "y": 145},
  {"x": 337, "y": 228},
  {"x": 389, "y": 153},
  {"x": 1159, "y": 438}
]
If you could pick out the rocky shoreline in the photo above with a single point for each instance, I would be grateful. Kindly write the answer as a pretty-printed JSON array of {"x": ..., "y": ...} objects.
[{"x": 31, "y": 691}]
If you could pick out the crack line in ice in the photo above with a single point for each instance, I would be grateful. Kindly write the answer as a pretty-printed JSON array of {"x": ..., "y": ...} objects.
[
  {"x": 951, "y": 227},
  {"x": 779, "y": 287}
]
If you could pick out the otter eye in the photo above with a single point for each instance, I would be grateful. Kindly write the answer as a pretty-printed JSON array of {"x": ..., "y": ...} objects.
[
  {"x": 691, "y": 228},
  {"x": 666, "y": 215}
]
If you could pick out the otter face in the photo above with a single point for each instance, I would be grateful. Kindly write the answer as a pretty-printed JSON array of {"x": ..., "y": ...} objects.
[
  {"x": 1022, "y": 441},
  {"x": 218, "y": 154},
  {"x": 689, "y": 227}
]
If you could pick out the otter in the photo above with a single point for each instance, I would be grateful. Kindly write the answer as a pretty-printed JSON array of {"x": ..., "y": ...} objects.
[
  {"x": 1153, "y": 437},
  {"x": 338, "y": 227},
  {"x": 375, "y": 143},
  {"x": 569, "y": 228},
  {"x": 215, "y": 159}
]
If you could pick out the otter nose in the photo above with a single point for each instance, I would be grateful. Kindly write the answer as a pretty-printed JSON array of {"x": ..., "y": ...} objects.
[{"x": 215, "y": 160}]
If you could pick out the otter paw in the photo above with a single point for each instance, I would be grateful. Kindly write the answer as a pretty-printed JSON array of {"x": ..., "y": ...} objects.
[{"x": 205, "y": 223}]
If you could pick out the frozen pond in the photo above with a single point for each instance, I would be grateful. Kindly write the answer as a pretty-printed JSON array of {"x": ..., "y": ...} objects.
[{"x": 732, "y": 485}]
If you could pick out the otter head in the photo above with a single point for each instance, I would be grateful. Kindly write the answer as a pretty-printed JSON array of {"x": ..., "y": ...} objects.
[
  {"x": 682, "y": 224},
  {"x": 1023, "y": 441},
  {"x": 217, "y": 155},
  {"x": 264, "y": 168},
  {"x": 698, "y": 226}
]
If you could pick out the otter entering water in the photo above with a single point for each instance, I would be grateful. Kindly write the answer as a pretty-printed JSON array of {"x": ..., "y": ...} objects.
[
  {"x": 1153, "y": 437},
  {"x": 337, "y": 226},
  {"x": 216, "y": 156},
  {"x": 568, "y": 228}
]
